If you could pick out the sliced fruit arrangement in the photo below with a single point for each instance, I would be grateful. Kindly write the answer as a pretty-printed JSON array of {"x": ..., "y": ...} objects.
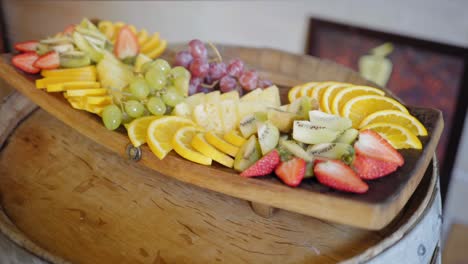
[
  {"x": 209, "y": 112},
  {"x": 367, "y": 108},
  {"x": 84, "y": 44},
  {"x": 151, "y": 45}
]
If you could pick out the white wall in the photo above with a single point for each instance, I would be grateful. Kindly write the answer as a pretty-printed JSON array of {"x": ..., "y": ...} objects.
[{"x": 281, "y": 25}]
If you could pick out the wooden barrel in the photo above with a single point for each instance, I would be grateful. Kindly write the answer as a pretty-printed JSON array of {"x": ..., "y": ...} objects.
[{"x": 65, "y": 199}]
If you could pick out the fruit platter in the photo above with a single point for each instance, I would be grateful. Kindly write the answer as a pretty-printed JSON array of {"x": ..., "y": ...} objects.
[{"x": 275, "y": 130}]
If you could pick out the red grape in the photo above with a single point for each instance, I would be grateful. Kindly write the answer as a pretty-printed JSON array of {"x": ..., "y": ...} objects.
[
  {"x": 202, "y": 89},
  {"x": 199, "y": 67},
  {"x": 264, "y": 83},
  {"x": 208, "y": 79},
  {"x": 183, "y": 58},
  {"x": 217, "y": 70},
  {"x": 235, "y": 68},
  {"x": 197, "y": 49},
  {"x": 227, "y": 84},
  {"x": 194, "y": 85},
  {"x": 248, "y": 80}
]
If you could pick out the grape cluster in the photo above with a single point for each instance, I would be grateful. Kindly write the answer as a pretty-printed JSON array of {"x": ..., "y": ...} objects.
[
  {"x": 154, "y": 91},
  {"x": 207, "y": 75}
]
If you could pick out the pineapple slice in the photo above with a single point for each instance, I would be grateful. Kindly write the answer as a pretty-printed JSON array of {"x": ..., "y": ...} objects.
[
  {"x": 208, "y": 116},
  {"x": 195, "y": 100},
  {"x": 213, "y": 97},
  {"x": 183, "y": 110},
  {"x": 249, "y": 107},
  {"x": 271, "y": 95},
  {"x": 232, "y": 95},
  {"x": 229, "y": 117},
  {"x": 253, "y": 95}
]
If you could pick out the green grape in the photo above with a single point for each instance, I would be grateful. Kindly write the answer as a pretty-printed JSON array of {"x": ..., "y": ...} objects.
[
  {"x": 126, "y": 118},
  {"x": 156, "y": 106},
  {"x": 161, "y": 65},
  {"x": 181, "y": 83},
  {"x": 134, "y": 108},
  {"x": 139, "y": 88},
  {"x": 156, "y": 79},
  {"x": 146, "y": 66},
  {"x": 112, "y": 117},
  {"x": 172, "y": 96},
  {"x": 179, "y": 71}
]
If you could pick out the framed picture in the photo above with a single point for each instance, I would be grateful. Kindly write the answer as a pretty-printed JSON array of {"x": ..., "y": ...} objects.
[{"x": 424, "y": 73}]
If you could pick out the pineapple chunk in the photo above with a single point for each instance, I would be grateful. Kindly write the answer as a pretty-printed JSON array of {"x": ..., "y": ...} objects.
[
  {"x": 249, "y": 107},
  {"x": 252, "y": 95},
  {"x": 182, "y": 110},
  {"x": 232, "y": 95},
  {"x": 271, "y": 95},
  {"x": 208, "y": 117},
  {"x": 195, "y": 100},
  {"x": 229, "y": 117},
  {"x": 213, "y": 97}
]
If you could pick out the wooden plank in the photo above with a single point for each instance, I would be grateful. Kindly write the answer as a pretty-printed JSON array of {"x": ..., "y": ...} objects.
[{"x": 373, "y": 210}]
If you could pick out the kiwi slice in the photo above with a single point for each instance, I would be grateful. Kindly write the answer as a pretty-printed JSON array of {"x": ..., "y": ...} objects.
[
  {"x": 268, "y": 136},
  {"x": 248, "y": 154},
  {"x": 90, "y": 49},
  {"x": 302, "y": 106},
  {"x": 57, "y": 40},
  {"x": 42, "y": 49},
  {"x": 296, "y": 150},
  {"x": 348, "y": 136},
  {"x": 309, "y": 171},
  {"x": 74, "y": 59},
  {"x": 283, "y": 120},
  {"x": 86, "y": 23},
  {"x": 339, "y": 151},
  {"x": 96, "y": 36}
]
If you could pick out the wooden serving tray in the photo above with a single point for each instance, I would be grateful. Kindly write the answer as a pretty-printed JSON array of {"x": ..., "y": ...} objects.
[{"x": 373, "y": 210}]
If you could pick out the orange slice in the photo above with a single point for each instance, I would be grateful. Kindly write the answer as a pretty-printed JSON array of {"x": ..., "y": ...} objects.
[
  {"x": 361, "y": 106},
  {"x": 396, "y": 117},
  {"x": 398, "y": 136},
  {"x": 328, "y": 95},
  {"x": 181, "y": 143},
  {"x": 347, "y": 93},
  {"x": 161, "y": 131}
]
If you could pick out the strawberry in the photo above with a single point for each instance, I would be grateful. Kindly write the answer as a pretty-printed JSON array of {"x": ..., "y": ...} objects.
[
  {"x": 25, "y": 61},
  {"x": 27, "y": 46},
  {"x": 291, "y": 172},
  {"x": 372, "y": 145},
  {"x": 368, "y": 168},
  {"x": 263, "y": 166},
  {"x": 126, "y": 44},
  {"x": 338, "y": 175},
  {"x": 69, "y": 29},
  {"x": 48, "y": 61}
]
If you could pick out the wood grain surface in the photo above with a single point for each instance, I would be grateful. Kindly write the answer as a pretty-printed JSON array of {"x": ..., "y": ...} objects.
[
  {"x": 373, "y": 210},
  {"x": 84, "y": 203}
]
